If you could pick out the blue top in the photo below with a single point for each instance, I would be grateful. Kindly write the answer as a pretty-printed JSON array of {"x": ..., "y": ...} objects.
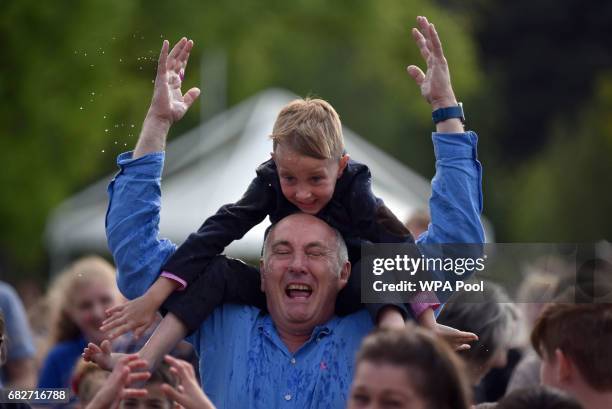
[
  {"x": 19, "y": 344},
  {"x": 243, "y": 363},
  {"x": 57, "y": 368}
]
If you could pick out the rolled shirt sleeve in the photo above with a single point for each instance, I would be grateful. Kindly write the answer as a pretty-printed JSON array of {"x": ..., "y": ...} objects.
[
  {"x": 456, "y": 199},
  {"x": 132, "y": 223}
]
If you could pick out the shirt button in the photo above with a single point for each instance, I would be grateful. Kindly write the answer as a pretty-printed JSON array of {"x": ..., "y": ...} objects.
[
  {"x": 293, "y": 361},
  {"x": 288, "y": 396}
]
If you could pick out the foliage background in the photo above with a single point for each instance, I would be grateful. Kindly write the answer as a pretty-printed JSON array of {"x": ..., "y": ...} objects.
[{"x": 535, "y": 78}]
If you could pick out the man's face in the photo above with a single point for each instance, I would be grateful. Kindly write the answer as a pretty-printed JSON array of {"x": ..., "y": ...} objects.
[{"x": 301, "y": 274}]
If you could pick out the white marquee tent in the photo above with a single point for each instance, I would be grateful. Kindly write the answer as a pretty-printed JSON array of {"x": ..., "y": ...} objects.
[{"x": 212, "y": 165}]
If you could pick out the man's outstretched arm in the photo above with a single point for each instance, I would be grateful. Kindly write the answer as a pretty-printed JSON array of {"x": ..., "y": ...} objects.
[
  {"x": 132, "y": 219},
  {"x": 456, "y": 200}
]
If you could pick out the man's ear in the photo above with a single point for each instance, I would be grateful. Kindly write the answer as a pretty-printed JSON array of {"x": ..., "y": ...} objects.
[
  {"x": 261, "y": 273},
  {"x": 345, "y": 273},
  {"x": 566, "y": 369},
  {"x": 342, "y": 165}
]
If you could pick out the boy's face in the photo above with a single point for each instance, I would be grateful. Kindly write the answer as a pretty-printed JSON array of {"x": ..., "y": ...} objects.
[
  {"x": 307, "y": 182},
  {"x": 155, "y": 399}
]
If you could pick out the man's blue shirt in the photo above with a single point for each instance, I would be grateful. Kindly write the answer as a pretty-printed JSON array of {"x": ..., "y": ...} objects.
[
  {"x": 241, "y": 354},
  {"x": 245, "y": 364}
]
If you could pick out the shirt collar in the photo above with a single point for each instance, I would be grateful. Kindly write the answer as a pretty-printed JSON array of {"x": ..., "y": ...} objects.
[{"x": 266, "y": 325}]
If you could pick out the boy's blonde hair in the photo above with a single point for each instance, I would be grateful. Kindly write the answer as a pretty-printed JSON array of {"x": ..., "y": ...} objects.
[{"x": 310, "y": 127}]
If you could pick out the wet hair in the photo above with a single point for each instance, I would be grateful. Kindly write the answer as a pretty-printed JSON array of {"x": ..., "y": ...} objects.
[
  {"x": 583, "y": 332},
  {"x": 538, "y": 397},
  {"x": 310, "y": 127},
  {"x": 432, "y": 367}
]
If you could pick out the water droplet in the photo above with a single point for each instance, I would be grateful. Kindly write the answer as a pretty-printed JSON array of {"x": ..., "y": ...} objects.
[
  {"x": 106, "y": 130},
  {"x": 115, "y": 142},
  {"x": 81, "y": 108},
  {"x": 116, "y": 125},
  {"x": 125, "y": 144},
  {"x": 91, "y": 65},
  {"x": 140, "y": 68},
  {"x": 120, "y": 59},
  {"x": 104, "y": 116},
  {"x": 102, "y": 150},
  {"x": 102, "y": 52},
  {"x": 131, "y": 126},
  {"x": 152, "y": 81},
  {"x": 93, "y": 93},
  {"x": 84, "y": 53},
  {"x": 161, "y": 36},
  {"x": 91, "y": 100},
  {"x": 75, "y": 51}
]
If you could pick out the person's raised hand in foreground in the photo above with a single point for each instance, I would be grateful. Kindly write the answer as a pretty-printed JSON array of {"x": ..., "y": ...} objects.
[
  {"x": 101, "y": 355},
  {"x": 188, "y": 394},
  {"x": 116, "y": 388},
  {"x": 168, "y": 104}
]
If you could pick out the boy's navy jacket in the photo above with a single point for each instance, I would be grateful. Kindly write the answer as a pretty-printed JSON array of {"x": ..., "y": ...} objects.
[{"x": 353, "y": 210}]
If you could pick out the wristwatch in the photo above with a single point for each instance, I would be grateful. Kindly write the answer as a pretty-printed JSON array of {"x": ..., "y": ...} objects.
[{"x": 442, "y": 114}]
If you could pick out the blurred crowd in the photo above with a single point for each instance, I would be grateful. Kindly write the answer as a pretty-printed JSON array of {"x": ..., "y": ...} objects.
[{"x": 530, "y": 354}]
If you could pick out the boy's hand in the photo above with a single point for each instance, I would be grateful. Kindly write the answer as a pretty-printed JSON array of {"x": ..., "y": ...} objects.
[
  {"x": 458, "y": 340},
  {"x": 101, "y": 355},
  {"x": 188, "y": 394},
  {"x": 168, "y": 103},
  {"x": 136, "y": 315},
  {"x": 114, "y": 389},
  {"x": 435, "y": 83}
]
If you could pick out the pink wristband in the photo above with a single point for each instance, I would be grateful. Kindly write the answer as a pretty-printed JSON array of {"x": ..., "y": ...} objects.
[{"x": 173, "y": 277}]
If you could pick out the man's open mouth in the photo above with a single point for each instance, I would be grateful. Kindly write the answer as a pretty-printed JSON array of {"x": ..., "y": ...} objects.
[{"x": 295, "y": 291}]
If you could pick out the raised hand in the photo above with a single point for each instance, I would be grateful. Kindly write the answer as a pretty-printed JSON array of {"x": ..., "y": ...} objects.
[
  {"x": 115, "y": 388},
  {"x": 188, "y": 394},
  {"x": 169, "y": 103},
  {"x": 101, "y": 355},
  {"x": 435, "y": 84},
  {"x": 136, "y": 315}
]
